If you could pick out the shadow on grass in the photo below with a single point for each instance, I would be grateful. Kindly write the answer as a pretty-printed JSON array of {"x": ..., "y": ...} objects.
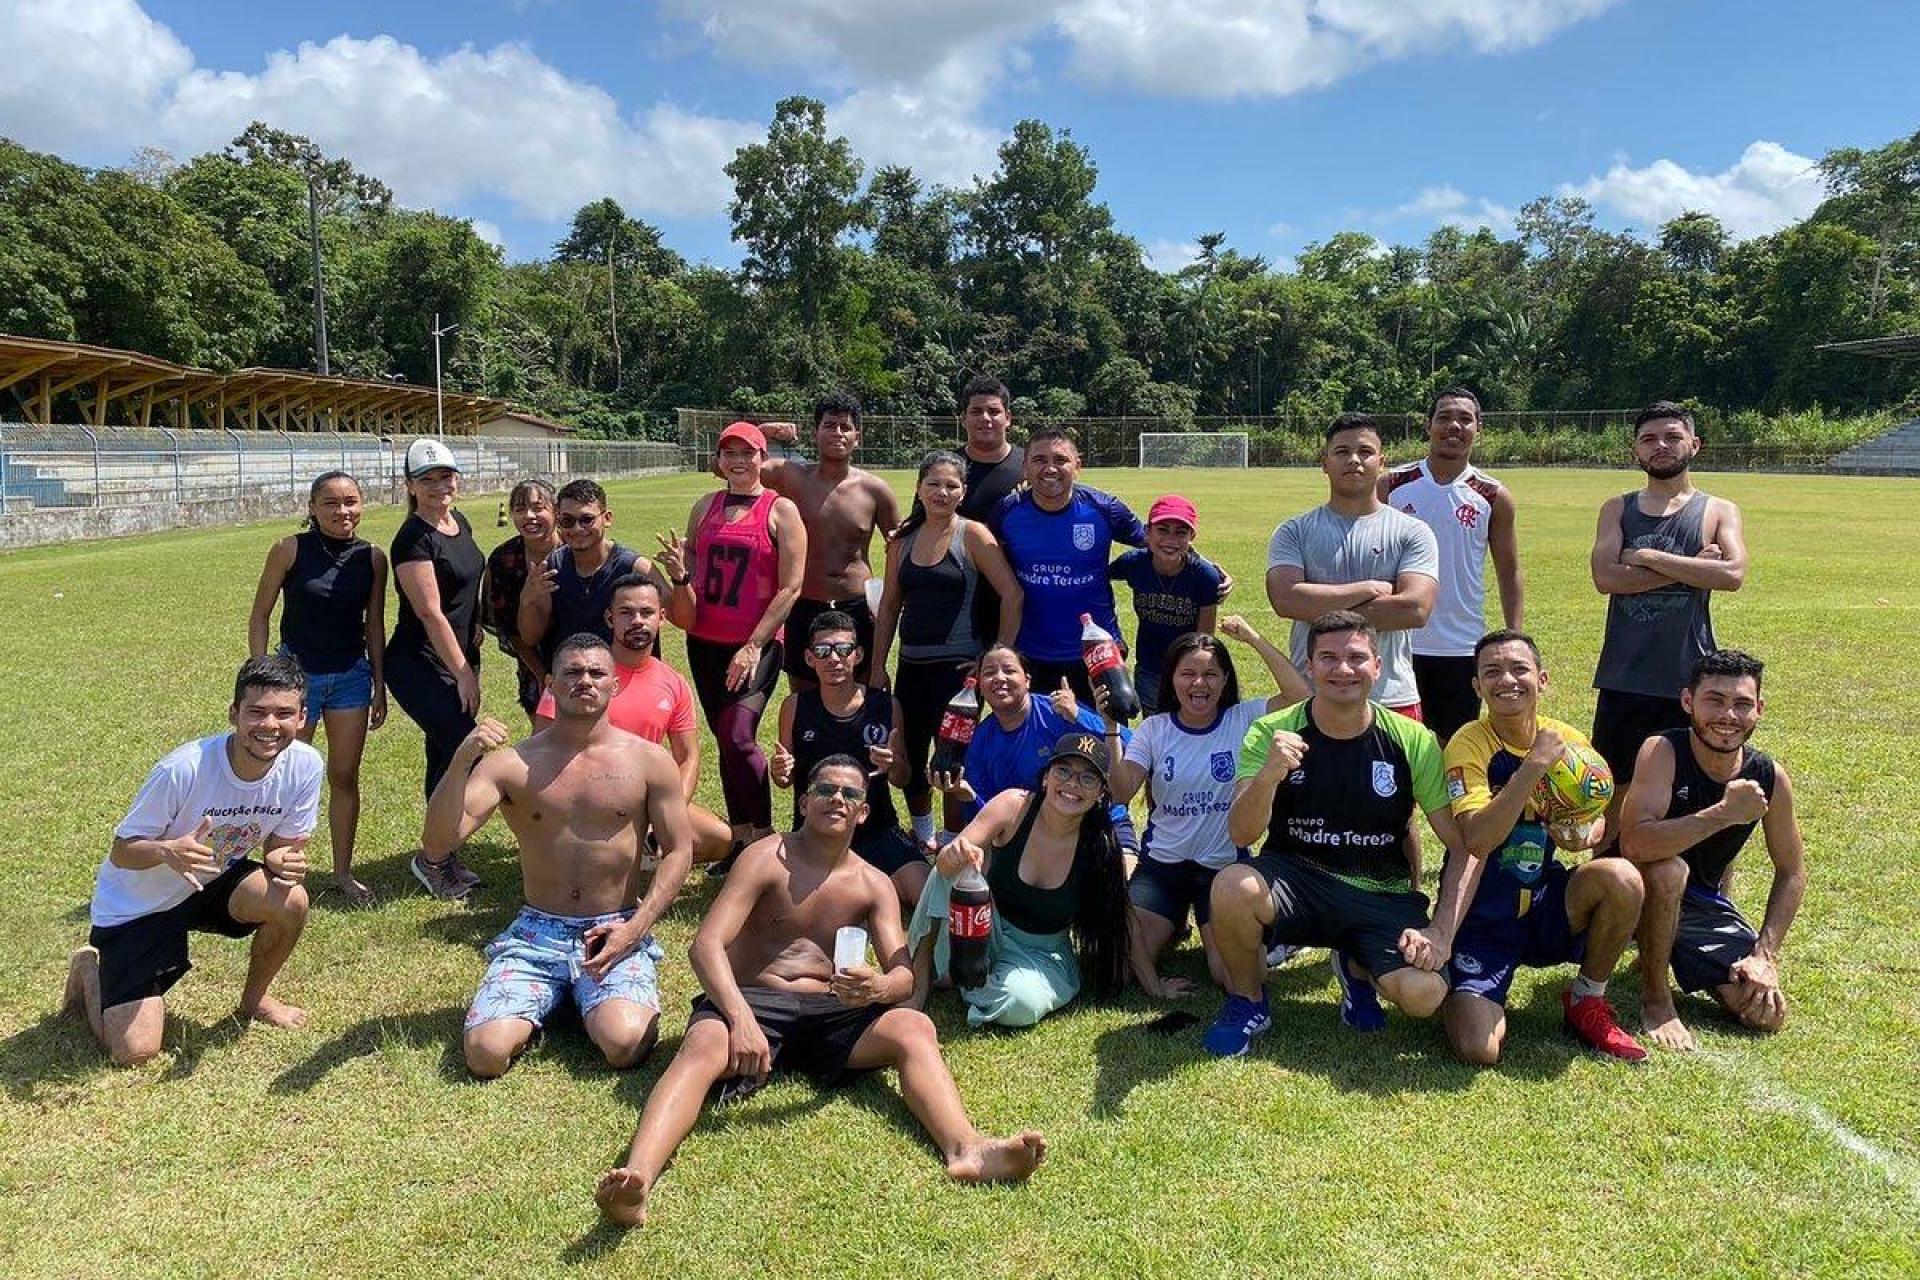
[
  {"x": 58, "y": 1050},
  {"x": 391, "y": 877},
  {"x": 435, "y": 1027}
]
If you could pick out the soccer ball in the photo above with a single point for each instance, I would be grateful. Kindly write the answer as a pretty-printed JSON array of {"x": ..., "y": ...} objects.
[{"x": 1576, "y": 788}]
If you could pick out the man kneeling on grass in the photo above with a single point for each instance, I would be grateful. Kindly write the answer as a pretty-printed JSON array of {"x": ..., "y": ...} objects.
[
  {"x": 579, "y": 795},
  {"x": 180, "y": 863},
  {"x": 775, "y": 1001}
]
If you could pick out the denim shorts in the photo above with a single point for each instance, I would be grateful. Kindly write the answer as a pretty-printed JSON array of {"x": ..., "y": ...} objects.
[
  {"x": 541, "y": 959},
  {"x": 349, "y": 690}
]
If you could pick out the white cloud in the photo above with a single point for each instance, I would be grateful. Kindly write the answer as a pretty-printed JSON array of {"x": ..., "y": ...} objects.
[
  {"x": 80, "y": 72},
  {"x": 1281, "y": 230},
  {"x": 1449, "y": 206},
  {"x": 1244, "y": 48},
  {"x": 490, "y": 232},
  {"x": 1767, "y": 188},
  {"x": 853, "y": 43},
  {"x": 101, "y": 76},
  {"x": 1170, "y": 256}
]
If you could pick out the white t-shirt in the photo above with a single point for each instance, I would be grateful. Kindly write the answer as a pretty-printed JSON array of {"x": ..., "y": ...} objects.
[
  {"x": 1459, "y": 515},
  {"x": 193, "y": 781},
  {"x": 1335, "y": 549},
  {"x": 1190, "y": 776}
]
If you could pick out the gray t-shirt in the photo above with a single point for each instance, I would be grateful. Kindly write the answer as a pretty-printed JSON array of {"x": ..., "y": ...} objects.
[{"x": 1333, "y": 549}]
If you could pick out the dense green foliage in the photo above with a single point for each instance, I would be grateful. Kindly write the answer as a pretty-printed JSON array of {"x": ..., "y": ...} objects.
[{"x": 902, "y": 291}]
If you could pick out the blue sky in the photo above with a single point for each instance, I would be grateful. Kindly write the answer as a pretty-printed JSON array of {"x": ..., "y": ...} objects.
[{"x": 1275, "y": 121}]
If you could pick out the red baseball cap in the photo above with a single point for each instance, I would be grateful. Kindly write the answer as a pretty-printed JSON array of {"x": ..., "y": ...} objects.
[
  {"x": 1175, "y": 507},
  {"x": 745, "y": 431}
]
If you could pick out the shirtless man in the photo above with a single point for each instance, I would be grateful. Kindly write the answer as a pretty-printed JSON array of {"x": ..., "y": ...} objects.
[
  {"x": 841, "y": 505},
  {"x": 579, "y": 794},
  {"x": 775, "y": 1001}
]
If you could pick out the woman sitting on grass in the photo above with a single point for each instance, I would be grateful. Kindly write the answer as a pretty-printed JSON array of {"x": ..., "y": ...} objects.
[{"x": 1054, "y": 866}]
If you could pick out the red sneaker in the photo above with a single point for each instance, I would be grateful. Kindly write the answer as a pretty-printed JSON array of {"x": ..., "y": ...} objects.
[{"x": 1591, "y": 1022}]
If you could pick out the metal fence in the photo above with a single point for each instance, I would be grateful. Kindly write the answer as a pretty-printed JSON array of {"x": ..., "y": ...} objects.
[
  {"x": 1567, "y": 437},
  {"x": 77, "y": 466}
]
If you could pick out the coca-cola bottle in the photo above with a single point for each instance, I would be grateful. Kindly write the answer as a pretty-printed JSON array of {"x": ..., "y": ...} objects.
[
  {"x": 969, "y": 923},
  {"x": 1107, "y": 666},
  {"x": 957, "y": 724}
]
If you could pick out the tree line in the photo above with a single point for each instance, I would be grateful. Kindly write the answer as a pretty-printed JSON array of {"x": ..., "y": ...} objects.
[{"x": 900, "y": 291}]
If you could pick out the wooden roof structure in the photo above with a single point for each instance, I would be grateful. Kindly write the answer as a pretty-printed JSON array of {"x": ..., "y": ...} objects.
[{"x": 110, "y": 386}]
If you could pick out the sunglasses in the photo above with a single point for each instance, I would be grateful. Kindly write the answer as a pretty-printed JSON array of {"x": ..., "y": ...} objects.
[
  {"x": 833, "y": 649},
  {"x": 578, "y": 522},
  {"x": 831, "y": 790}
]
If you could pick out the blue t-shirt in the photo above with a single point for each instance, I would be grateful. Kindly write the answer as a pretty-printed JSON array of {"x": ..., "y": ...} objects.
[
  {"x": 998, "y": 761},
  {"x": 1061, "y": 559},
  {"x": 1168, "y": 608}
]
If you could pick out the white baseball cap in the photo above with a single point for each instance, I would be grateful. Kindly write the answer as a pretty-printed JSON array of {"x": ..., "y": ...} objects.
[{"x": 425, "y": 455}]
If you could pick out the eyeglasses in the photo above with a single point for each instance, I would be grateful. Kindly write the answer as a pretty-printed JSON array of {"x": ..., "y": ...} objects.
[
  {"x": 1067, "y": 773},
  {"x": 579, "y": 522},
  {"x": 831, "y": 790},
  {"x": 833, "y": 649}
]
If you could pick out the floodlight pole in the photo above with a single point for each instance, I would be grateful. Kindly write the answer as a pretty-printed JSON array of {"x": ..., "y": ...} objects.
[
  {"x": 319, "y": 290},
  {"x": 439, "y": 405}
]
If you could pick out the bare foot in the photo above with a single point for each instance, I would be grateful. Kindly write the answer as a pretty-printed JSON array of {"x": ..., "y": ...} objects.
[
  {"x": 356, "y": 893},
  {"x": 622, "y": 1197},
  {"x": 1000, "y": 1159},
  {"x": 1663, "y": 1026},
  {"x": 1175, "y": 988},
  {"x": 83, "y": 972},
  {"x": 275, "y": 1013}
]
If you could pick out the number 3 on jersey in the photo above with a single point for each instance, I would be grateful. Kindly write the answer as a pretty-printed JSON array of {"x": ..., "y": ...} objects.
[{"x": 716, "y": 586}]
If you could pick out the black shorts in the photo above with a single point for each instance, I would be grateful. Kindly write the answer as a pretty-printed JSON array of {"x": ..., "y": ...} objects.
[
  {"x": 1447, "y": 699},
  {"x": 528, "y": 689},
  {"x": 707, "y": 663},
  {"x": 1622, "y": 722},
  {"x": 801, "y": 618},
  {"x": 1315, "y": 908},
  {"x": 889, "y": 849},
  {"x": 812, "y": 1033},
  {"x": 1046, "y": 678},
  {"x": 145, "y": 956},
  {"x": 1712, "y": 937},
  {"x": 1171, "y": 889},
  {"x": 922, "y": 690}
]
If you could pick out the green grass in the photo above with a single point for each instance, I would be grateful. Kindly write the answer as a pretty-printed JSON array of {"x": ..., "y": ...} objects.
[{"x": 358, "y": 1145}]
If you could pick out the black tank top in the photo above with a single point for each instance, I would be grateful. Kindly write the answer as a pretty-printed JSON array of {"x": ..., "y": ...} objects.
[
  {"x": 936, "y": 601},
  {"x": 818, "y": 733},
  {"x": 1023, "y": 905},
  {"x": 1653, "y": 638},
  {"x": 1694, "y": 790},
  {"x": 323, "y": 614}
]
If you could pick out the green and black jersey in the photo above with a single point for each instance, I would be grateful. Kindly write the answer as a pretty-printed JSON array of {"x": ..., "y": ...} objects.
[{"x": 1347, "y": 806}]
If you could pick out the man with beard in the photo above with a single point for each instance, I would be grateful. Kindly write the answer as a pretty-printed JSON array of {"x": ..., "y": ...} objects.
[
  {"x": 1659, "y": 554},
  {"x": 775, "y": 1000},
  {"x": 569, "y": 593},
  {"x": 1471, "y": 514},
  {"x": 841, "y": 505},
  {"x": 1696, "y": 797},
  {"x": 578, "y": 794},
  {"x": 655, "y": 702}
]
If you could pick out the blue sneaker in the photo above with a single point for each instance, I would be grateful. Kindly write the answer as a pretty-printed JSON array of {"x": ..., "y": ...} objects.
[
  {"x": 1359, "y": 1004},
  {"x": 1239, "y": 1022}
]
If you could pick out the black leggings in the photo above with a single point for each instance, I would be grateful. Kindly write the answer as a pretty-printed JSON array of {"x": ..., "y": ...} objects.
[
  {"x": 734, "y": 717},
  {"x": 431, "y": 700},
  {"x": 923, "y": 690}
]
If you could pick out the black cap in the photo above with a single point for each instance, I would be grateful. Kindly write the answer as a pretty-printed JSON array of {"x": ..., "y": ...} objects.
[{"x": 1087, "y": 746}]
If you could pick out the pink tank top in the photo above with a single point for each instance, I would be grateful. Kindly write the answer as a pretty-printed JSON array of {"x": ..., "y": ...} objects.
[{"x": 736, "y": 570}]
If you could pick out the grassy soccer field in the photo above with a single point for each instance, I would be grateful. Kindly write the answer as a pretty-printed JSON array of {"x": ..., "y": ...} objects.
[{"x": 358, "y": 1145}]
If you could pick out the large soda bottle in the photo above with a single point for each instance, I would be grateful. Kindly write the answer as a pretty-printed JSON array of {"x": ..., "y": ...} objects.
[
  {"x": 1107, "y": 666},
  {"x": 957, "y": 724},
  {"x": 969, "y": 922}
]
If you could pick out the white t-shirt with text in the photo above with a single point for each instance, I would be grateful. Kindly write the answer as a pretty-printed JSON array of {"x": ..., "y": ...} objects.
[
  {"x": 193, "y": 781},
  {"x": 1190, "y": 776}
]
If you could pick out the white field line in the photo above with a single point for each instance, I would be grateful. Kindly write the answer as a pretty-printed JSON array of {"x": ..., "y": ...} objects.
[{"x": 1902, "y": 1172}]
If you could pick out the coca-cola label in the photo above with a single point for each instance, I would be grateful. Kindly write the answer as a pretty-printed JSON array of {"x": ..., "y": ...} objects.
[
  {"x": 955, "y": 727},
  {"x": 1101, "y": 657},
  {"x": 970, "y": 920}
]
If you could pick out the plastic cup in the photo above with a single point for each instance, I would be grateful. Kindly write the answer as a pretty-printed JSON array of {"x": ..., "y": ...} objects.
[
  {"x": 849, "y": 947},
  {"x": 873, "y": 588}
]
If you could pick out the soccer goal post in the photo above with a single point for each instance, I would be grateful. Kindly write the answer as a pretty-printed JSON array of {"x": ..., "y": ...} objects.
[{"x": 1193, "y": 448}]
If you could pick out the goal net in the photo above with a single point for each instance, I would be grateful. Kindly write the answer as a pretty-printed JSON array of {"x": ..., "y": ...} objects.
[{"x": 1193, "y": 448}]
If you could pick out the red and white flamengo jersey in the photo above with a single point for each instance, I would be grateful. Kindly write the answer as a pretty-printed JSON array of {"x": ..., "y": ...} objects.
[{"x": 1458, "y": 513}]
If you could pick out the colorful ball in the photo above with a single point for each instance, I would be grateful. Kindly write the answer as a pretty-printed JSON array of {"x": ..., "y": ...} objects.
[{"x": 1576, "y": 788}]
